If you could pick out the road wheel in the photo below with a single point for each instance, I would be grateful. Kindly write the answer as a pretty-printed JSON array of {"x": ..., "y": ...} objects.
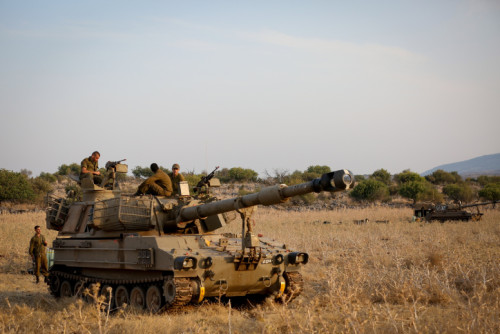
[
  {"x": 88, "y": 295},
  {"x": 178, "y": 292},
  {"x": 138, "y": 298},
  {"x": 154, "y": 300},
  {"x": 78, "y": 289},
  {"x": 121, "y": 296},
  {"x": 169, "y": 291},
  {"x": 294, "y": 286},
  {"x": 108, "y": 292},
  {"x": 66, "y": 289},
  {"x": 55, "y": 285}
]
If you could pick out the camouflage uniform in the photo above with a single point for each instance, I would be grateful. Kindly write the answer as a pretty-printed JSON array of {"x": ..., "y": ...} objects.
[
  {"x": 157, "y": 184},
  {"x": 37, "y": 252},
  {"x": 92, "y": 166},
  {"x": 175, "y": 181}
]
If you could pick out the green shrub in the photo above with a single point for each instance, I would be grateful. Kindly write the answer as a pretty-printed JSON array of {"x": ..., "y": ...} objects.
[
  {"x": 459, "y": 192},
  {"x": 407, "y": 176},
  {"x": 223, "y": 175},
  {"x": 413, "y": 189},
  {"x": 40, "y": 187},
  {"x": 318, "y": 169},
  {"x": 26, "y": 172},
  {"x": 239, "y": 174},
  {"x": 431, "y": 194},
  {"x": 313, "y": 172},
  {"x": 15, "y": 187},
  {"x": 359, "y": 178},
  {"x": 371, "y": 190},
  {"x": 383, "y": 176},
  {"x": 483, "y": 180},
  {"x": 192, "y": 179},
  {"x": 296, "y": 177},
  {"x": 413, "y": 186},
  {"x": 490, "y": 192},
  {"x": 51, "y": 178},
  {"x": 393, "y": 189},
  {"x": 69, "y": 169},
  {"x": 442, "y": 177},
  {"x": 144, "y": 172}
]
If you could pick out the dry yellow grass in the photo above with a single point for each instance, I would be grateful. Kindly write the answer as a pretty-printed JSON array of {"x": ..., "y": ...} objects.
[{"x": 399, "y": 277}]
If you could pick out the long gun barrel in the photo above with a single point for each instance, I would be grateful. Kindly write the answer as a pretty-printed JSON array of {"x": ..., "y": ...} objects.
[
  {"x": 478, "y": 204},
  {"x": 331, "y": 182}
]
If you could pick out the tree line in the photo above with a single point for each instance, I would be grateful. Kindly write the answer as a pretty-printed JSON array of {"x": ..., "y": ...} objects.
[{"x": 437, "y": 187}]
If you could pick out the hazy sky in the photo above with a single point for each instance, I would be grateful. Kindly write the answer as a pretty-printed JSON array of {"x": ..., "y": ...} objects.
[{"x": 360, "y": 85}]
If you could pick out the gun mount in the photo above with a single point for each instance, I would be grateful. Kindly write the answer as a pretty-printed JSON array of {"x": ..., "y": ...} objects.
[
  {"x": 205, "y": 182},
  {"x": 162, "y": 252}
]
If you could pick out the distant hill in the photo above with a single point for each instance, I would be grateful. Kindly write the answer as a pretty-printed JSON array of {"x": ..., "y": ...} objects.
[{"x": 484, "y": 165}]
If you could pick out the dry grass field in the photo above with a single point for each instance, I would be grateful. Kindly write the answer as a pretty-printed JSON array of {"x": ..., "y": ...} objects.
[{"x": 399, "y": 277}]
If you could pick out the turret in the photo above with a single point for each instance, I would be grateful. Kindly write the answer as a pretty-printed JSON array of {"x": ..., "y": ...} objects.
[{"x": 185, "y": 214}]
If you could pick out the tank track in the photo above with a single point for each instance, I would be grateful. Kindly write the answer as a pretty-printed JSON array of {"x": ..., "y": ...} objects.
[
  {"x": 183, "y": 286},
  {"x": 294, "y": 286},
  {"x": 91, "y": 280},
  {"x": 183, "y": 294}
]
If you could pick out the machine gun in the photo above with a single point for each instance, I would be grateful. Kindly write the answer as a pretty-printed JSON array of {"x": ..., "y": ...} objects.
[
  {"x": 205, "y": 181},
  {"x": 112, "y": 164},
  {"x": 113, "y": 167}
]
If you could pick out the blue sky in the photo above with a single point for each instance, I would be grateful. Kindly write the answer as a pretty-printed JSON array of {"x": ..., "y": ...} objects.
[{"x": 259, "y": 84}]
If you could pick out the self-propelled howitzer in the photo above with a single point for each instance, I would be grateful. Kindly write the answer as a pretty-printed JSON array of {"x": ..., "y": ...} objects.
[
  {"x": 158, "y": 252},
  {"x": 456, "y": 211}
]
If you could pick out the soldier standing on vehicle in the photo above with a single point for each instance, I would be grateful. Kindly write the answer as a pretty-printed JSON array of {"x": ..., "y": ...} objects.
[
  {"x": 176, "y": 177},
  {"x": 90, "y": 168},
  {"x": 38, "y": 255},
  {"x": 157, "y": 184}
]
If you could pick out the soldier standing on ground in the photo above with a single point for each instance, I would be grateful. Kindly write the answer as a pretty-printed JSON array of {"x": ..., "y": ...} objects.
[
  {"x": 157, "y": 184},
  {"x": 37, "y": 252},
  {"x": 90, "y": 168},
  {"x": 176, "y": 177}
]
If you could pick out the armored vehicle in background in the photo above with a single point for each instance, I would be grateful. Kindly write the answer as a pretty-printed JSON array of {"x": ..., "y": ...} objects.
[
  {"x": 432, "y": 212},
  {"x": 163, "y": 252}
]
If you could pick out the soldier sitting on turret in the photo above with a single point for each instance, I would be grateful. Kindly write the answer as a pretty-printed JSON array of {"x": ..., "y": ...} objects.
[
  {"x": 157, "y": 184},
  {"x": 176, "y": 177},
  {"x": 90, "y": 168}
]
